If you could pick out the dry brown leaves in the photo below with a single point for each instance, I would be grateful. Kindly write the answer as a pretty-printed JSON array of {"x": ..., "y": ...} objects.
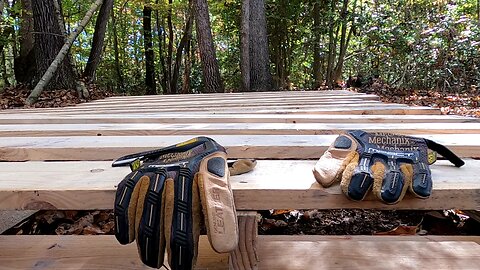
[
  {"x": 14, "y": 97},
  {"x": 66, "y": 223},
  {"x": 466, "y": 103}
]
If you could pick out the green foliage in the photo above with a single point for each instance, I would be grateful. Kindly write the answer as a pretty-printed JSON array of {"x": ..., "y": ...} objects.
[{"x": 410, "y": 44}]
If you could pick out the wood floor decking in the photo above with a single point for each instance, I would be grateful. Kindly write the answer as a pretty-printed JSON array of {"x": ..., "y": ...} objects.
[{"x": 59, "y": 158}]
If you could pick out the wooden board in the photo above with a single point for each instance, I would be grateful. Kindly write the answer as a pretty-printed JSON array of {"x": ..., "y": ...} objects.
[
  {"x": 274, "y": 184},
  {"x": 238, "y": 146},
  {"x": 85, "y": 252},
  {"x": 275, "y": 252},
  {"x": 206, "y": 129},
  {"x": 66, "y": 118},
  {"x": 368, "y": 255}
]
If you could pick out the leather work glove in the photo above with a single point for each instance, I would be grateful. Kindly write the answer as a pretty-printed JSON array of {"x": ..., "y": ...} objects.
[
  {"x": 168, "y": 195},
  {"x": 388, "y": 162}
]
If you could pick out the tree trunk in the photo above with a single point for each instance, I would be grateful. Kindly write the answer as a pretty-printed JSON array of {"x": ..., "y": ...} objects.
[
  {"x": 179, "y": 53},
  {"x": 59, "y": 17},
  {"x": 211, "y": 73},
  {"x": 260, "y": 77},
  {"x": 59, "y": 59},
  {"x": 25, "y": 62},
  {"x": 118, "y": 68},
  {"x": 331, "y": 48},
  {"x": 49, "y": 40},
  {"x": 149, "y": 55},
  {"x": 188, "y": 65},
  {"x": 170, "y": 47},
  {"x": 317, "y": 57},
  {"x": 98, "y": 40},
  {"x": 245, "y": 46},
  {"x": 163, "y": 76},
  {"x": 344, "y": 40}
]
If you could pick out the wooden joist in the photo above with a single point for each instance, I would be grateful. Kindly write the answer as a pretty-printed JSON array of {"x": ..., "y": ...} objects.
[
  {"x": 275, "y": 252},
  {"x": 274, "y": 184}
]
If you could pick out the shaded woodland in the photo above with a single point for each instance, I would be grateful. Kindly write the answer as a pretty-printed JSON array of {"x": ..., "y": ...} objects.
[{"x": 192, "y": 46}]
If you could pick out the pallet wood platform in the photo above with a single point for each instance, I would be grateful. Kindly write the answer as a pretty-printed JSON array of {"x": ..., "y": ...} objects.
[{"x": 59, "y": 158}]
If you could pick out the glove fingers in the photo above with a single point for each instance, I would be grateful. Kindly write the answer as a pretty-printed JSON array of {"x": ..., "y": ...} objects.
[
  {"x": 126, "y": 200},
  {"x": 168, "y": 205},
  {"x": 333, "y": 162},
  {"x": 390, "y": 182},
  {"x": 217, "y": 202},
  {"x": 242, "y": 166},
  {"x": 149, "y": 218},
  {"x": 356, "y": 179},
  {"x": 421, "y": 184}
]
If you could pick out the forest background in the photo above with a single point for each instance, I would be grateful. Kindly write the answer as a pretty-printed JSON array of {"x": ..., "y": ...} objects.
[{"x": 191, "y": 46}]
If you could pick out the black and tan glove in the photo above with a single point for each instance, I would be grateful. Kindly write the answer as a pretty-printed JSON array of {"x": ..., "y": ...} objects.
[
  {"x": 168, "y": 195},
  {"x": 388, "y": 162}
]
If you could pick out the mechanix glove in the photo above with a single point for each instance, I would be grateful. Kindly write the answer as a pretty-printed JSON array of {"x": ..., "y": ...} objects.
[
  {"x": 168, "y": 195},
  {"x": 388, "y": 162}
]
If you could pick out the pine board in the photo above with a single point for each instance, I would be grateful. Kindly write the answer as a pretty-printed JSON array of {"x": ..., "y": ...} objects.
[
  {"x": 355, "y": 109},
  {"x": 274, "y": 184},
  {"x": 275, "y": 252},
  {"x": 205, "y": 129},
  {"x": 184, "y": 118},
  {"x": 238, "y": 146}
]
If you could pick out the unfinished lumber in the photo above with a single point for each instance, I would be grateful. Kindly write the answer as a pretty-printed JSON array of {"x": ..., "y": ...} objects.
[
  {"x": 355, "y": 109},
  {"x": 198, "y": 129},
  {"x": 184, "y": 118},
  {"x": 368, "y": 255},
  {"x": 86, "y": 252},
  {"x": 273, "y": 184},
  {"x": 275, "y": 252},
  {"x": 238, "y": 146}
]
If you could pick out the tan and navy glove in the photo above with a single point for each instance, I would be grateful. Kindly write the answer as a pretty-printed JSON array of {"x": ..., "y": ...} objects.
[
  {"x": 168, "y": 195},
  {"x": 389, "y": 163}
]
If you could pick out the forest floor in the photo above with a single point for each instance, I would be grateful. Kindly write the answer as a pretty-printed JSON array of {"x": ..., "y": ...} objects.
[{"x": 286, "y": 222}]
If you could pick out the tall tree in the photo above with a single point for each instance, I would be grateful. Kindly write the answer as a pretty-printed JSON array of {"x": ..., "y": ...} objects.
[
  {"x": 98, "y": 39},
  {"x": 178, "y": 55},
  {"x": 245, "y": 45},
  {"x": 49, "y": 39},
  {"x": 258, "y": 57},
  {"x": 25, "y": 62},
  {"x": 344, "y": 38},
  {"x": 317, "y": 54},
  {"x": 118, "y": 68},
  {"x": 61, "y": 56},
  {"x": 211, "y": 72},
  {"x": 332, "y": 45},
  {"x": 149, "y": 54}
]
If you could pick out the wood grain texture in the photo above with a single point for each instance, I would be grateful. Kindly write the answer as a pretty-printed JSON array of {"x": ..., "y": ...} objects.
[
  {"x": 238, "y": 146},
  {"x": 273, "y": 184},
  {"x": 276, "y": 252},
  {"x": 368, "y": 255},
  {"x": 205, "y": 129},
  {"x": 86, "y": 252},
  {"x": 355, "y": 109},
  {"x": 184, "y": 118}
]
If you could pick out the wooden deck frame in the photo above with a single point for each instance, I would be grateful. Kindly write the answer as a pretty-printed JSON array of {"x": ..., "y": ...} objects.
[{"x": 290, "y": 130}]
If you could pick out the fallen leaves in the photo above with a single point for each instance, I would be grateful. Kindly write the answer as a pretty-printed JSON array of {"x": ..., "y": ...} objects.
[
  {"x": 465, "y": 103},
  {"x": 14, "y": 97},
  {"x": 67, "y": 223}
]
